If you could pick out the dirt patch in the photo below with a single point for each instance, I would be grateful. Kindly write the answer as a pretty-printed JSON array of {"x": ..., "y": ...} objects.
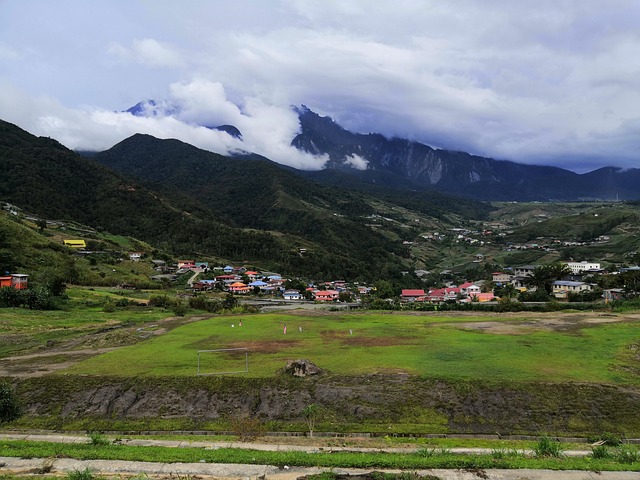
[
  {"x": 39, "y": 364},
  {"x": 566, "y": 323},
  {"x": 273, "y": 346}
]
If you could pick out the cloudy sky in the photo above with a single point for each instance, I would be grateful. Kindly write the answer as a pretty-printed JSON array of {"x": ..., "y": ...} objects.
[{"x": 553, "y": 82}]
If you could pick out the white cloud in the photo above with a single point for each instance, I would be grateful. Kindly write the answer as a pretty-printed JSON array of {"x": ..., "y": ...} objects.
[
  {"x": 149, "y": 52},
  {"x": 356, "y": 161},
  {"x": 543, "y": 81},
  {"x": 266, "y": 130}
]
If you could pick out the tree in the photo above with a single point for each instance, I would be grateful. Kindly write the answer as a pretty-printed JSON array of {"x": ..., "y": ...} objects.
[
  {"x": 229, "y": 302},
  {"x": 507, "y": 292},
  {"x": 543, "y": 277},
  {"x": 345, "y": 297},
  {"x": 384, "y": 289},
  {"x": 9, "y": 407},
  {"x": 311, "y": 413}
]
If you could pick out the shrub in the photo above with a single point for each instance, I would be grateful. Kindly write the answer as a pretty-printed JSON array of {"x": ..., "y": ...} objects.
[
  {"x": 179, "y": 309},
  {"x": 122, "y": 303},
  {"x": 161, "y": 301},
  {"x": 109, "y": 307},
  {"x": 9, "y": 407},
  {"x": 626, "y": 453},
  {"x": 600, "y": 451},
  {"x": 247, "y": 428},
  {"x": 86, "y": 474},
  {"x": 98, "y": 439},
  {"x": 547, "y": 447}
]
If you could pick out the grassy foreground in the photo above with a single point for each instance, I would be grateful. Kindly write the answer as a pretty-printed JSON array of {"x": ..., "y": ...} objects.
[
  {"x": 422, "y": 459},
  {"x": 452, "y": 347}
]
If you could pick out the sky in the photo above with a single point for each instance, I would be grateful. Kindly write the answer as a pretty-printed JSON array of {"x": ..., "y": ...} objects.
[{"x": 548, "y": 82}]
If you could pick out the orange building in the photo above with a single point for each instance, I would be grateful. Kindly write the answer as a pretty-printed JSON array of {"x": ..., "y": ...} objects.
[{"x": 19, "y": 281}]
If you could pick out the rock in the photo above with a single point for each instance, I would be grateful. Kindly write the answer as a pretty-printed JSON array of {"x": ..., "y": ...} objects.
[{"x": 301, "y": 368}]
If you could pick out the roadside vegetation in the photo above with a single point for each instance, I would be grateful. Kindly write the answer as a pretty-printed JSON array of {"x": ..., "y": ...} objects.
[{"x": 622, "y": 458}]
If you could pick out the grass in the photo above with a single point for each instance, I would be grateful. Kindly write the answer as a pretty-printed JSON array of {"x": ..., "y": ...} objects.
[
  {"x": 409, "y": 461},
  {"x": 23, "y": 330},
  {"x": 433, "y": 346}
]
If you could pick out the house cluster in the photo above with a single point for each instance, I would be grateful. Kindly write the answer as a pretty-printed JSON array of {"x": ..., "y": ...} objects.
[
  {"x": 466, "y": 292},
  {"x": 462, "y": 235},
  {"x": 517, "y": 276},
  {"x": 561, "y": 288},
  {"x": 239, "y": 280}
]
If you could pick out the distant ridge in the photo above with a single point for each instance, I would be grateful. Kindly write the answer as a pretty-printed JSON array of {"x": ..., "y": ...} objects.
[
  {"x": 458, "y": 173},
  {"x": 373, "y": 160}
]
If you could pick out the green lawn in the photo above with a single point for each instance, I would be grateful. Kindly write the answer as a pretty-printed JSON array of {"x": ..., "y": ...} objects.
[{"x": 433, "y": 346}]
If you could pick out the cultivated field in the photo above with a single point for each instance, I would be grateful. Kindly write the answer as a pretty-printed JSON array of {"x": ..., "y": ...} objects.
[{"x": 559, "y": 347}]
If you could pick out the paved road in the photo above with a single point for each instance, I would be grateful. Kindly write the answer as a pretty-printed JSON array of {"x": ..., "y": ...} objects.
[
  {"x": 22, "y": 466},
  {"x": 11, "y": 465}
]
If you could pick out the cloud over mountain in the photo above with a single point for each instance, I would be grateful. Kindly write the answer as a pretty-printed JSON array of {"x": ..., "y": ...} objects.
[{"x": 535, "y": 82}]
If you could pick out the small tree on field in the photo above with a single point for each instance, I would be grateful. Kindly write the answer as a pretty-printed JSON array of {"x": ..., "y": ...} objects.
[
  {"x": 311, "y": 413},
  {"x": 9, "y": 407}
]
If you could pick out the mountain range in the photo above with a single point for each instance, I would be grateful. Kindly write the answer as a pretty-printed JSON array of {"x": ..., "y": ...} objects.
[
  {"x": 362, "y": 161},
  {"x": 246, "y": 210}
]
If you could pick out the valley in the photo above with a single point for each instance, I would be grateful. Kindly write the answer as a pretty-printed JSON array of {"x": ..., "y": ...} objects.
[{"x": 159, "y": 256}]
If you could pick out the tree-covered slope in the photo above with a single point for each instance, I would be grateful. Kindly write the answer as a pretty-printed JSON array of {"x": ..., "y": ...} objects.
[{"x": 43, "y": 177}]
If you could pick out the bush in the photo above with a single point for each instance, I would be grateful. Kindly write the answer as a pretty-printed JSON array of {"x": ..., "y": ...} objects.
[
  {"x": 600, "y": 452},
  {"x": 179, "y": 309},
  {"x": 98, "y": 439},
  {"x": 161, "y": 301},
  {"x": 9, "y": 407},
  {"x": 547, "y": 447},
  {"x": 247, "y": 428},
  {"x": 626, "y": 453},
  {"x": 86, "y": 474}
]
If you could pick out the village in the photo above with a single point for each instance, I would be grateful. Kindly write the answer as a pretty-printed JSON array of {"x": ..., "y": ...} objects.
[
  {"x": 503, "y": 284},
  {"x": 572, "y": 281}
]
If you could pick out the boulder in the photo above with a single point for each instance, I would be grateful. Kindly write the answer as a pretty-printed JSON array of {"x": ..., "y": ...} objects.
[{"x": 301, "y": 368}]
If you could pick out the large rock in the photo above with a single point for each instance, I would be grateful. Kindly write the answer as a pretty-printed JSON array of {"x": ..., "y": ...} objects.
[{"x": 301, "y": 368}]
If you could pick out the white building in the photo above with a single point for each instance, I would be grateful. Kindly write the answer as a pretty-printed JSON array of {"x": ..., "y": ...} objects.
[{"x": 578, "y": 267}]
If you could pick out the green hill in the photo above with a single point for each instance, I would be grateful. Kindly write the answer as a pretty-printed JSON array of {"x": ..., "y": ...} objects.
[{"x": 45, "y": 178}]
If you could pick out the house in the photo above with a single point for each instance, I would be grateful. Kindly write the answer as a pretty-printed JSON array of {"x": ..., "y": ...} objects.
[
  {"x": 204, "y": 285},
  {"x": 259, "y": 283},
  {"x": 500, "y": 277},
  {"x": 19, "y": 281},
  {"x": 135, "y": 256},
  {"x": 252, "y": 275},
  {"x": 292, "y": 295},
  {"x": 326, "y": 295},
  {"x": 239, "y": 287},
  {"x": 228, "y": 269},
  {"x": 562, "y": 288},
  {"x": 469, "y": 289},
  {"x": 443, "y": 294},
  {"x": 524, "y": 270},
  {"x": 75, "y": 243},
  {"x": 227, "y": 279},
  {"x": 186, "y": 264},
  {"x": 613, "y": 294},
  {"x": 412, "y": 295},
  {"x": 483, "y": 297}
]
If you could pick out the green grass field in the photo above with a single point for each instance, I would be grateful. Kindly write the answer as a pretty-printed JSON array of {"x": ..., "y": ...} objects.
[
  {"x": 25, "y": 331},
  {"x": 433, "y": 346}
]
